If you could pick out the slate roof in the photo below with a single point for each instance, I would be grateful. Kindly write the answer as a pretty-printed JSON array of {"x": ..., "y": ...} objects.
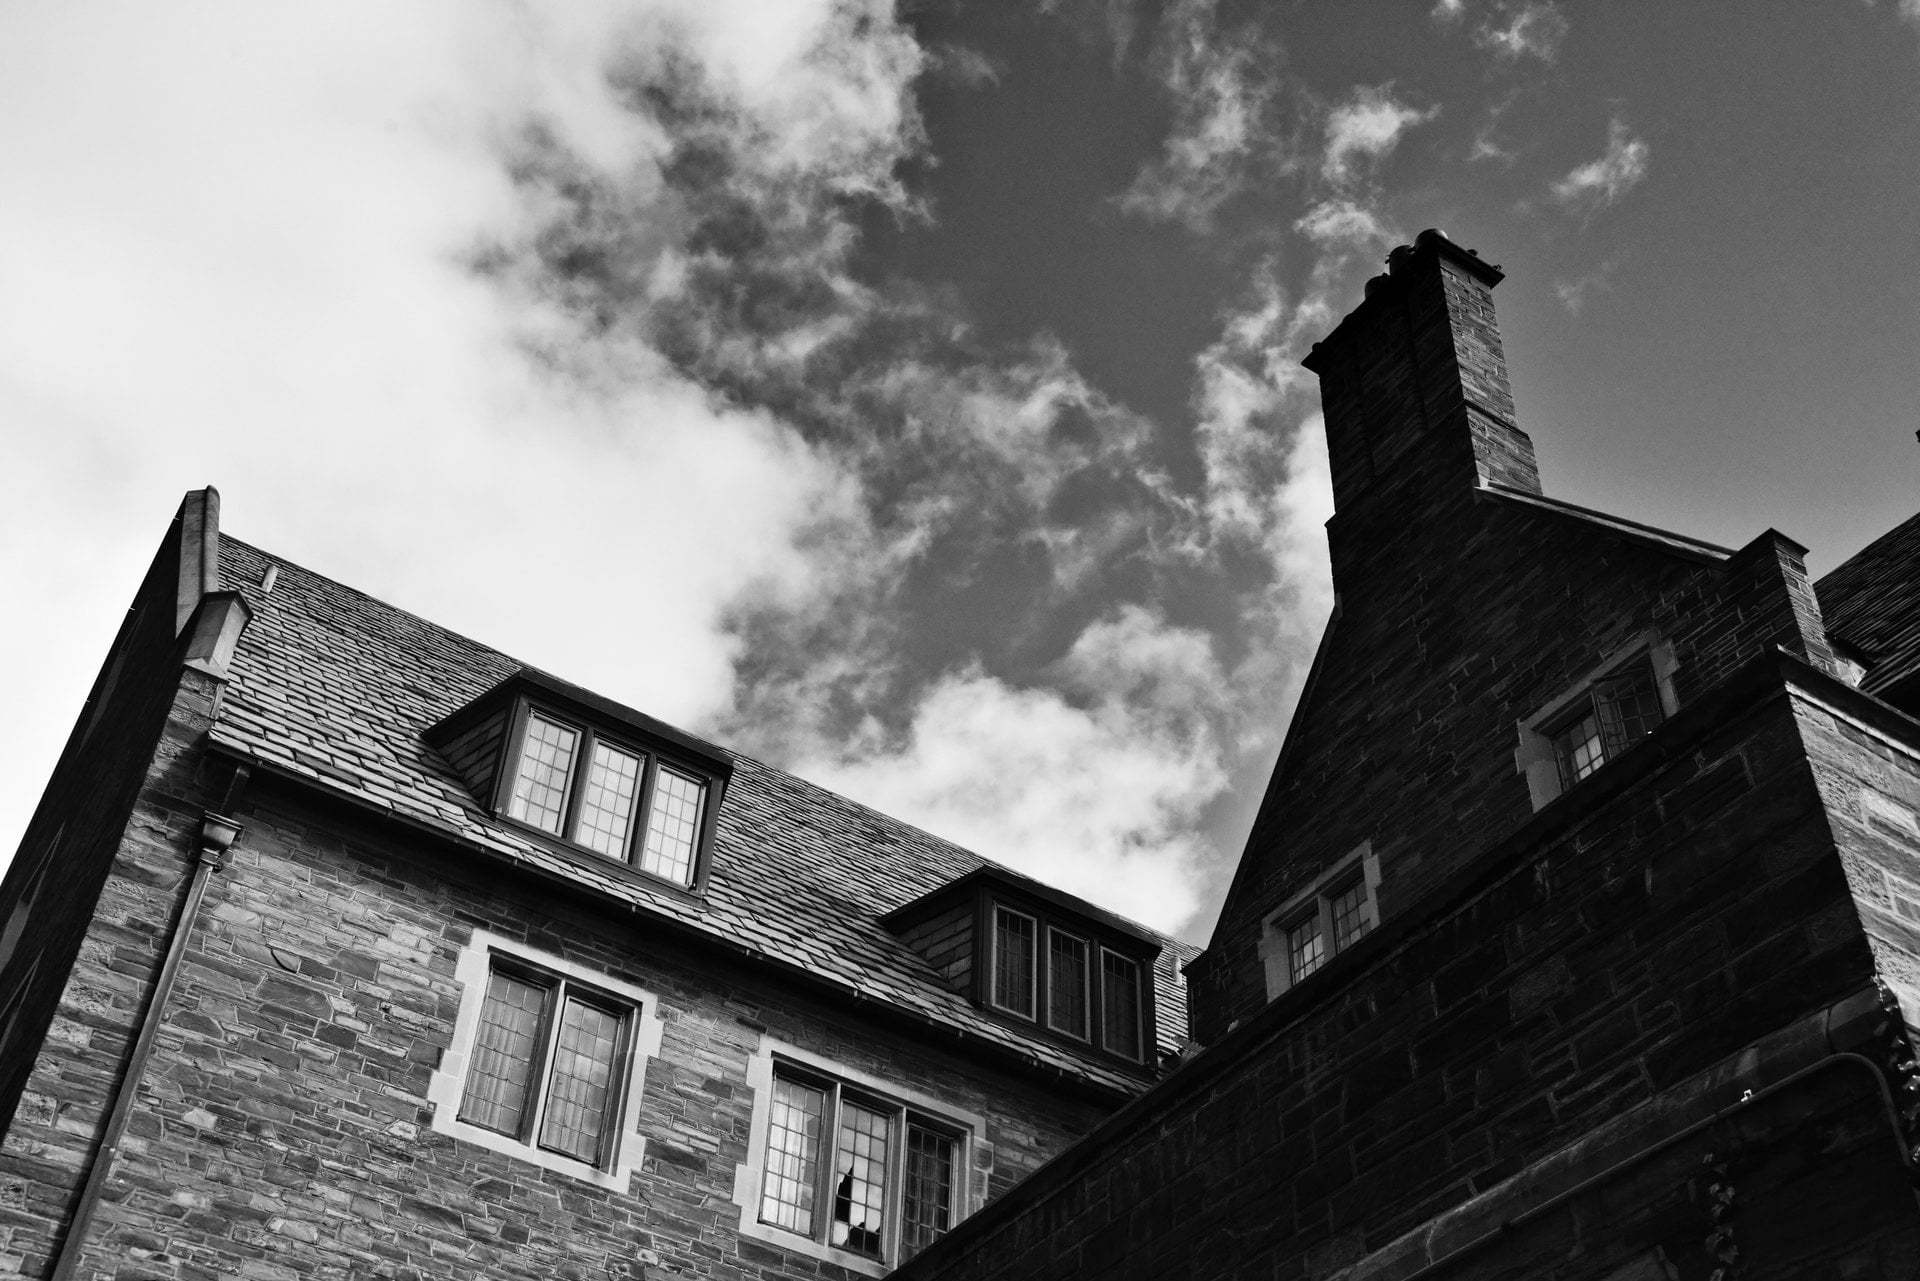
[
  {"x": 336, "y": 688},
  {"x": 1872, "y": 602}
]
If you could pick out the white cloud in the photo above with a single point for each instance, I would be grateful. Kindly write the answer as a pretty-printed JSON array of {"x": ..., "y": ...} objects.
[
  {"x": 1367, "y": 126},
  {"x": 1602, "y": 182},
  {"x": 1448, "y": 10},
  {"x": 1223, "y": 85},
  {"x": 1101, "y": 799},
  {"x": 1340, "y": 223},
  {"x": 1573, "y": 292},
  {"x": 1533, "y": 30},
  {"x": 232, "y": 252}
]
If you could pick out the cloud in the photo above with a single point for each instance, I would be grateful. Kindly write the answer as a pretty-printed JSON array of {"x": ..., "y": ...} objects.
[
  {"x": 1224, "y": 87},
  {"x": 574, "y": 294},
  {"x": 1368, "y": 126},
  {"x": 1445, "y": 11},
  {"x": 1601, "y": 183},
  {"x": 1574, "y": 292},
  {"x": 1089, "y": 796},
  {"x": 1533, "y": 30}
]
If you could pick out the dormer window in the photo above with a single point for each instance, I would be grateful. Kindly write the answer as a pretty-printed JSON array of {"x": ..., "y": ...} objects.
[
  {"x": 616, "y": 800},
  {"x": 1058, "y": 985},
  {"x": 589, "y": 775},
  {"x": 1053, "y": 965},
  {"x": 575, "y": 784}
]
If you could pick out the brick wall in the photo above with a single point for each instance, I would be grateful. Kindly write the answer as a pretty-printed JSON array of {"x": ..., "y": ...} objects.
[
  {"x": 1686, "y": 904},
  {"x": 284, "y": 1127}
]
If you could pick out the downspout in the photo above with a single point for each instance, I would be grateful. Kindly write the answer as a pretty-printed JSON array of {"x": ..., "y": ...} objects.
[{"x": 217, "y": 834}]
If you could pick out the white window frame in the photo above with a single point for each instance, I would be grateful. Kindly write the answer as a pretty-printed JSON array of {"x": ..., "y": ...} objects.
[
  {"x": 973, "y": 1157},
  {"x": 626, "y": 1148},
  {"x": 1534, "y": 757},
  {"x": 1316, "y": 900}
]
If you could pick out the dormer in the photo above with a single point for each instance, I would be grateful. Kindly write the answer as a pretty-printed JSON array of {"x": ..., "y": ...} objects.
[
  {"x": 589, "y": 776},
  {"x": 1046, "y": 962}
]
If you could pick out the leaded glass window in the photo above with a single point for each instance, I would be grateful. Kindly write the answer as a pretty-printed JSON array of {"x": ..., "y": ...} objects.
[
  {"x": 1306, "y": 946},
  {"x": 1617, "y": 712},
  {"x": 547, "y": 1064},
  {"x": 1013, "y": 961},
  {"x": 617, "y": 801},
  {"x": 1120, "y": 1024},
  {"x": 1067, "y": 983},
  {"x": 887, "y": 1176}
]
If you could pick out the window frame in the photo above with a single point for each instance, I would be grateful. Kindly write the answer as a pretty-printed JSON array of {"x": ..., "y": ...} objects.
[
  {"x": 653, "y": 759},
  {"x": 1537, "y": 756},
  {"x": 620, "y": 1147},
  {"x": 1098, "y": 944},
  {"x": 1314, "y": 904},
  {"x": 904, "y": 1107}
]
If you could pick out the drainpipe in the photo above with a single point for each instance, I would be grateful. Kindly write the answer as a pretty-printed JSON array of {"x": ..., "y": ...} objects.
[{"x": 217, "y": 834}]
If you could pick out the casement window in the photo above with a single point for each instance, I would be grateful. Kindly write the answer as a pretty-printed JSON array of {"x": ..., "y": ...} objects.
[
  {"x": 848, "y": 1171},
  {"x": 1616, "y": 711},
  {"x": 1337, "y": 910},
  {"x": 1054, "y": 975},
  {"x": 1600, "y": 717},
  {"x": 615, "y": 799},
  {"x": 546, "y": 1061}
]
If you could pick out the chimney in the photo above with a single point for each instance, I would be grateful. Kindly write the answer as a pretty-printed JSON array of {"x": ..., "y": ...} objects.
[{"x": 1414, "y": 386}]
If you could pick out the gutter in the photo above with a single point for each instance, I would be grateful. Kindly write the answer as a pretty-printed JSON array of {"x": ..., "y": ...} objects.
[{"x": 217, "y": 834}]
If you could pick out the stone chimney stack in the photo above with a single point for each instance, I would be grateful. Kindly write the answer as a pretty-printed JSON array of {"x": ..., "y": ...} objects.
[{"x": 1414, "y": 386}]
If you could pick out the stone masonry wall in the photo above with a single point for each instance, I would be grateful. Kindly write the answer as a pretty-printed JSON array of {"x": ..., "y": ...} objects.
[
  {"x": 1868, "y": 767},
  {"x": 1687, "y": 903},
  {"x": 55, "y": 879},
  {"x": 1410, "y": 729},
  {"x": 284, "y": 1128},
  {"x": 51, "y": 1141}
]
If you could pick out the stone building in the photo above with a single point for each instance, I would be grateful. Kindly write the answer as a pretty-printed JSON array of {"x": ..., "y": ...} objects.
[
  {"x": 342, "y": 946},
  {"x": 1575, "y": 938}
]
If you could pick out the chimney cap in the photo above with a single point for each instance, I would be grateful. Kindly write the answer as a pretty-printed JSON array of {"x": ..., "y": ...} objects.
[{"x": 1435, "y": 242}]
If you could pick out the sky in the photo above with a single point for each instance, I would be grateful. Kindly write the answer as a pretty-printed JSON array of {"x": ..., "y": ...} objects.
[{"x": 908, "y": 396}]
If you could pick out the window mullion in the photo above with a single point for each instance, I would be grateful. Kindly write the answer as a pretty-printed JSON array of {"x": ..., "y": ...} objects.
[
  {"x": 829, "y": 1161},
  {"x": 542, "y": 1057},
  {"x": 896, "y": 1182},
  {"x": 577, "y": 785},
  {"x": 614, "y": 1120},
  {"x": 643, "y": 808}
]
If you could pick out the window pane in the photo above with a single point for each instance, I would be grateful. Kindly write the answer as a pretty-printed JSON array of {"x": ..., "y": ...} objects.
[
  {"x": 793, "y": 1155},
  {"x": 540, "y": 791},
  {"x": 927, "y": 1210},
  {"x": 1349, "y": 913},
  {"x": 1628, "y": 705},
  {"x": 606, "y": 811},
  {"x": 860, "y": 1179},
  {"x": 1013, "y": 961},
  {"x": 1066, "y": 983},
  {"x": 673, "y": 825},
  {"x": 580, "y": 1083},
  {"x": 1306, "y": 948},
  {"x": 504, "y": 1047},
  {"x": 1120, "y": 1004},
  {"x": 1578, "y": 750}
]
